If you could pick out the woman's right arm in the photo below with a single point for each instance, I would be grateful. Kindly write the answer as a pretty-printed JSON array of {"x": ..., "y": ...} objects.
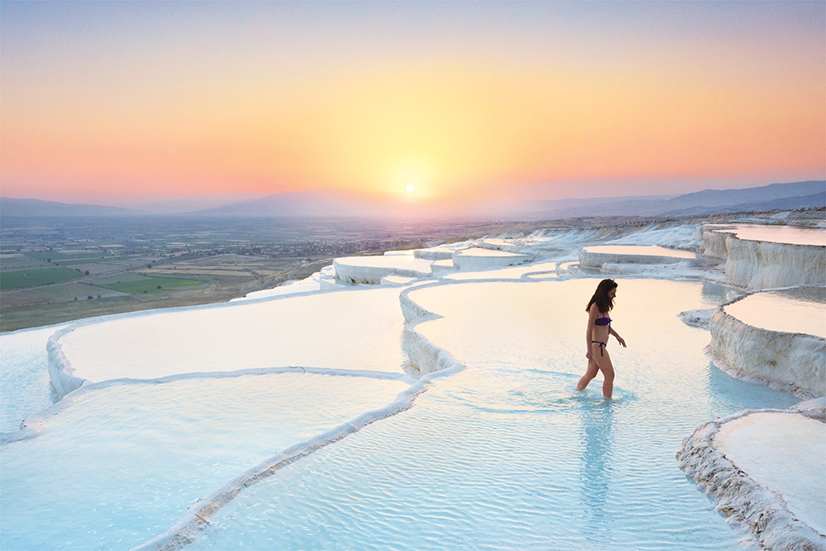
[{"x": 593, "y": 312}]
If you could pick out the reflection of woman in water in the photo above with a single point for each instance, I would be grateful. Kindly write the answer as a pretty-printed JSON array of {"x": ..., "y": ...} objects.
[{"x": 596, "y": 337}]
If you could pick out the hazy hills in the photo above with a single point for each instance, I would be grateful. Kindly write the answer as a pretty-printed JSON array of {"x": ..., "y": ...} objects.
[
  {"x": 336, "y": 203},
  {"x": 318, "y": 203},
  {"x": 793, "y": 195},
  {"x": 36, "y": 208}
]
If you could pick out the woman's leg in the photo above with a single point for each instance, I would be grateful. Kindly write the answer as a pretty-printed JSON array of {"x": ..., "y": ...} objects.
[
  {"x": 590, "y": 373},
  {"x": 604, "y": 364}
]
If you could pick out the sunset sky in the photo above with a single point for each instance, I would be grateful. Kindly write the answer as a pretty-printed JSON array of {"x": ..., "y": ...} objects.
[{"x": 122, "y": 103}]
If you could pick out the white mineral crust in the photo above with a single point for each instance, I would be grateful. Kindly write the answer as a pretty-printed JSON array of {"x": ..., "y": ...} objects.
[
  {"x": 596, "y": 257},
  {"x": 477, "y": 258},
  {"x": 370, "y": 269},
  {"x": 434, "y": 253},
  {"x": 764, "y": 264},
  {"x": 764, "y": 470},
  {"x": 786, "y": 359},
  {"x": 784, "y": 452}
]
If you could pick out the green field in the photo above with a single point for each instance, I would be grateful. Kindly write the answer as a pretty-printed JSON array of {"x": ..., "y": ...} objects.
[
  {"x": 39, "y": 276},
  {"x": 69, "y": 259},
  {"x": 55, "y": 255},
  {"x": 86, "y": 260},
  {"x": 151, "y": 284},
  {"x": 107, "y": 280}
]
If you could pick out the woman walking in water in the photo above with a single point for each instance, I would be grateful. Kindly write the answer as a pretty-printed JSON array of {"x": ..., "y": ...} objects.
[{"x": 596, "y": 337}]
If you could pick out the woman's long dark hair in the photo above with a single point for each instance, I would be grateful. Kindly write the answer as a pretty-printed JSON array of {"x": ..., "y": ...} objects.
[{"x": 604, "y": 303}]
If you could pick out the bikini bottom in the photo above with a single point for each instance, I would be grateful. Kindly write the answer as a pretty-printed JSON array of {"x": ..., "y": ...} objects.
[{"x": 602, "y": 346}]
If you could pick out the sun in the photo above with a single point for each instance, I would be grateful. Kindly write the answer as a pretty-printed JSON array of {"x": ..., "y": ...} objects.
[{"x": 411, "y": 188}]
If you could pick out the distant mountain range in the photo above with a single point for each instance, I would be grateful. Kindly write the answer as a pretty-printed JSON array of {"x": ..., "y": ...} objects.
[
  {"x": 795, "y": 195},
  {"x": 35, "y": 208},
  {"x": 336, "y": 203}
]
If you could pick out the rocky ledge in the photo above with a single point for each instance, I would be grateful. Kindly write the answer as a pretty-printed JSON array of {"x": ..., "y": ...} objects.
[{"x": 770, "y": 516}]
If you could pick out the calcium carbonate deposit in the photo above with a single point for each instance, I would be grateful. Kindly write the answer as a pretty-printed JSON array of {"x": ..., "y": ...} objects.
[
  {"x": 776, "y": 337},
  {"x": 597, "y": 256},
  {"x": 426, "y": 400},
  {"x": 763, "y": 257}
]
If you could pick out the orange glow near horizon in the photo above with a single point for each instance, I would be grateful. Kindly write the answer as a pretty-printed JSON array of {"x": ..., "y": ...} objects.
[{"x": 447, "y": 125}]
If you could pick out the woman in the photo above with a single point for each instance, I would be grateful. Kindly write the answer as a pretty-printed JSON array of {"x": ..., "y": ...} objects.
[{"x": 596, "y": 337}]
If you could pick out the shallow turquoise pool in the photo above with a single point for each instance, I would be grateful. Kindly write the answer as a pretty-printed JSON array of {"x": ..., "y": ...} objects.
[
  {"x": 505, "y": 455},
  {"x": 502, "y": 455}
]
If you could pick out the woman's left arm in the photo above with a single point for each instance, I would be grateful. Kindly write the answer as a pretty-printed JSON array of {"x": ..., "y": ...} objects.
[{"x": 616, "y": 336}]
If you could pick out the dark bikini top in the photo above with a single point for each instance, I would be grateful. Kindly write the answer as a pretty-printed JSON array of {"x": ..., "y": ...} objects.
[{"x": 603, "y": 321}]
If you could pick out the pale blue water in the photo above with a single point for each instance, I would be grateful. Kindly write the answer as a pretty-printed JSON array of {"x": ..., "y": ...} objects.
[
  {"x": 25, "y": 386},
  {"x": 504, "y": 455},
  {"x": 123, "y": 463}
]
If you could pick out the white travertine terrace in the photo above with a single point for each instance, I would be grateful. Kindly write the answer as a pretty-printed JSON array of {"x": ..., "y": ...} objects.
[
  {"x": 764, "y": 470},
  {"x": 764, "y": 257},
  {"x": 309, "y": 285},
  {"x": 597, "y": 256},
  {"x": 788, "y": 235},
  {"x": 714, "y": 242},
  {"x": 797, "y": 310},
  {"x": 567, "y": 267},
  {"x": 370, "y": 269},
  {"x": 327, "y": 279},
  {"x": 443, "y": 266},
  {"x": 770, "y": 353},
  {"x": 542, "y": 276},
  {"x": 497, "y": 242},
  {"x": 697, "y": 318},
  {"x": 434, "y": 253},
  {"x": 785, "y": 452},
  {"x": 397, "y": 280},
  {"x": 331, "y": 283},
  {"x": 514, "y": 272},
  {"x": 477, "y": 258},
  {"x": 195, "y": 340}
]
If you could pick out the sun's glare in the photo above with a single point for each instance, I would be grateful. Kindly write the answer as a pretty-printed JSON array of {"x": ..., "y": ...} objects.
[{"x": 411, "y": 188}]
